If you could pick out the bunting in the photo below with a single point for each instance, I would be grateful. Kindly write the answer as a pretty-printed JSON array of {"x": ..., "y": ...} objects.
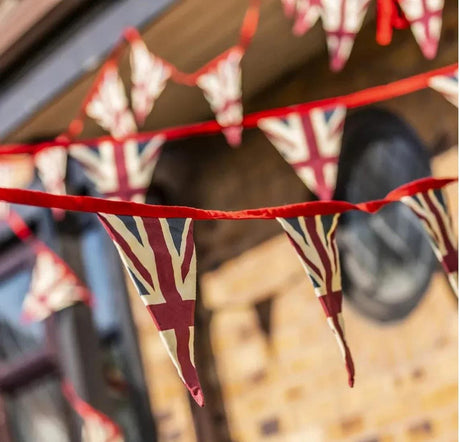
[
  {"x": 6, "y": 180},
  {"x": 305, "y": 12},
  {"x": 425, "y": 18},
  {"x": 289, "y": 7},
  {"x": 54, "y": 286},
  {"x": 221, "y": 85},
  {"x": 159, "y": 254},
  {"x": 51, "y": 164},
  {"x": 313, "y": 238},
  {"x": 97, "y": 426},
  {"x": 120, "y": 170},
  {"x": 431, "y": 210},
  {"x": 447, "y": 85},
  {"x": 108, "y": 104},
  {"x": 342, "y": 20},
  {"x": 149, "y": 75},
  {"x": 311, "y": 144}
]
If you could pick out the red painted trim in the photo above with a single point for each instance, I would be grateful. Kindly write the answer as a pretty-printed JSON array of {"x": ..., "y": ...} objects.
[
  {"x": 355, "y": 99},
  {"x": 90, "y": 204}
]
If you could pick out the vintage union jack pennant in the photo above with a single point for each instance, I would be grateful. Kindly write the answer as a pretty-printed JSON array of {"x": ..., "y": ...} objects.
[
  {"x": 97, "y": 426},
  {"x": 53, "y": 287},
  {"x": 108, "y": 104},
  {"x": 149, "y": 75},
  {"x": 447, "y": 85},
  {"x": 6, "y": 180},
  {"x": 311, "y": 144},
  {"x": 289, "y": 7},
  {"x": 120, "y": 170},
  {"x": 431, "y": 210},
  {"x": 51, "y": 164},
  {"x": 305, "y": 12},
  {"x": 314, "y": 241},
  {"x": 425, "y": 18},
  {"x": 221, "y": 85},
  {"x": 342, "y": 20},
  {"x": 159, "y": 254}
]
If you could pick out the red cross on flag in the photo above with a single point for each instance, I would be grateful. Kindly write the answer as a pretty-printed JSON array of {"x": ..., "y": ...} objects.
[
  {"x": 159, "y": 254},
  {"x": 311, "y": 144},
  {"x": 425, "y": 18},
  {"x": 108, "y": 104},
  {"x": 149, "y": 75},
  {"x": 314, "y": 241},
  {"x": 221, "y": 85},
  {"x": 342, "y": 20},
  {"x": 431, "y": 210},
  {"x": 120, "y": 170}
]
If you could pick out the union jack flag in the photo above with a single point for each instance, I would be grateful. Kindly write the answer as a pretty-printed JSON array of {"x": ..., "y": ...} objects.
[
  {"x": 51, "y": 165},
  {"x": 97, "y": 427},
  {"x": 425, "y": 18},
  {"x": 289, "y": 7},
  {"x": 120, "y": 170},
  {"x": 108, "y": 105},
  {"x": 431, "y": 210},
  {"x": 342, "y": 20},
  {"x": 159, "y": 254},
  {"x": 221, "y": 85},
  {"x": 447, "y": 85},
  {"x": 6, "y": 180},
  {"x": 307, "y": 13},
  {"x": 311, "y": 144},
  {"x": 149, "y": 75},
  {"x": 54, "y": 286},
  {"x": 314, "y": 241}
]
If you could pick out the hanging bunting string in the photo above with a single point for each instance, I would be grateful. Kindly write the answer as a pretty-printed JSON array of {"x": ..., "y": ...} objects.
[
  {"x": 97, "y": 425},
  {"x": 248, "y": 29},
  {"x": 100, "y": 205},
  {"x": 356, "y": 99}
]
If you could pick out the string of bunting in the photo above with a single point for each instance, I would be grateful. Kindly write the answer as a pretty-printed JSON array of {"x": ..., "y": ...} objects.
[
  {"x": 156, "y": 246},
  {"x": 307, "y": 135}
]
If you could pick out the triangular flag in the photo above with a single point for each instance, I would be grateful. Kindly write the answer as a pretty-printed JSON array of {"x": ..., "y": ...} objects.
[
  {"x": 314, "y": 241},
  {"x": 289, "y": 7},
  {"x": 431, "y": 210},
  {"x": 221, "y": 84},
  {"x": 51, "y": 164},
  {"x": 97, "y": 427},
  {"x": 342, "y": 20},
  {"x": 54, "y": 286},
  {"x": 425, "y": 18},
  {"x": 149, "y": 75},
  {"x": 447, "y": 85},
  {"x": 108, "y": 104},
  {"x": 159, "y": 254},
  {"x": 307, "y": 14},
  {"x": 311, "y": 144},
  {"x": 120, "y": 170},
  {"x": 6, "y": 180}
]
